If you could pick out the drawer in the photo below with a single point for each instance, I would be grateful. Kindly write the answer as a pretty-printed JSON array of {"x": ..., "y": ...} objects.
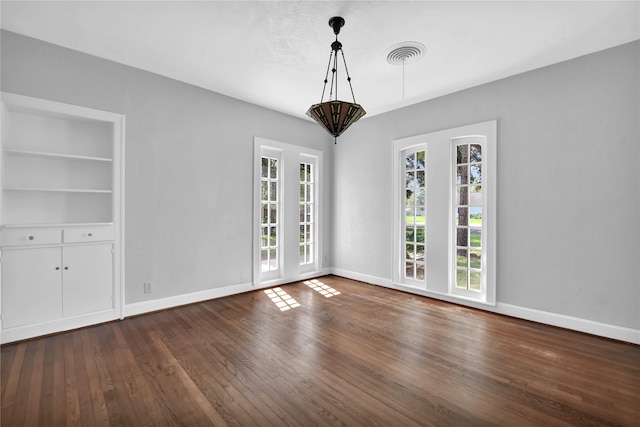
[
  {"x": 88, "y": 234},
  {"x": 31, "y": 236}
]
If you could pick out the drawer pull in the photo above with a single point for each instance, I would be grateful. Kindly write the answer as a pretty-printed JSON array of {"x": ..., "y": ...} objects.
[
  {"x": 90, "y": 234},
  {"x": 30, "y": 237}
]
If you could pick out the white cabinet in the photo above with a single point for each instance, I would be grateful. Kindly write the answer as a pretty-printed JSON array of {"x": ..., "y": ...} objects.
[
  {"x": 60, "y": 217},
  {"x": 87, "y": 284},
  {"x": 53, "y": 277},
  {"x": 49, "y": 283},
  {"x": 31, "y": 286}
]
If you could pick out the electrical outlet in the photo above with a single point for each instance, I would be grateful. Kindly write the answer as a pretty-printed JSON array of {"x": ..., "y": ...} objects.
[{"x": 148, "y": 287}]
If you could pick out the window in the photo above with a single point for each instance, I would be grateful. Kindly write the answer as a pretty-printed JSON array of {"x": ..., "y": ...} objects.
[
  {"x": 269, "y": 209},
  {"x": 287, "y": 207},
  {"x": 414, "y": 217},
  {"x": 467, "y": 209},
  {"x": 444, "y": 212},
  {"x": 307, "y": 190}
]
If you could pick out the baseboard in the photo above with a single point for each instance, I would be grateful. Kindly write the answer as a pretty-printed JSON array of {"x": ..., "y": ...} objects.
[
  {"x": 193, "y": 297},
  {"x": 577, "y": 324},
  {"x": 183, "y": 299},
  {"x": 560, "y": 320},
  {"x": 19, "y": 333},
  {"x": 374, "y": 280},
  {"x": 284, "y": 281}
]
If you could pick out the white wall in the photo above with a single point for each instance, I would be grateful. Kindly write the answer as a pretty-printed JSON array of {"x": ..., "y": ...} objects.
[
  {"x": 568, "y": 186},
  {"x": 188, "y": 163}
]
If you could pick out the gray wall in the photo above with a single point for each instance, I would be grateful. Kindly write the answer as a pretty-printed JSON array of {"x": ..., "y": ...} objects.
[
  {"x": 568, "y": 180},
  {"x": 568, "y": 184},
  {"x": 189, "y": 163}
]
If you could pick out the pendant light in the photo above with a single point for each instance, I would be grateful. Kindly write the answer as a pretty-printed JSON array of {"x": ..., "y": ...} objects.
[{"x": 333, "y": 115}]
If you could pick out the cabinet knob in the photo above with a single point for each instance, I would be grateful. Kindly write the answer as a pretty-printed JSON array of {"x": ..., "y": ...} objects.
[
  {"x": 57, "y": 268},
  {"x": 30, "y": 237},
  {"x": 66, "y": 268},
  {"x": 90, "y": 234}
]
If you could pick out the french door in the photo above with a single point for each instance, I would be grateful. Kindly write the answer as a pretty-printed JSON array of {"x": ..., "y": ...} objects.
[{"x": 287, "y": 200}]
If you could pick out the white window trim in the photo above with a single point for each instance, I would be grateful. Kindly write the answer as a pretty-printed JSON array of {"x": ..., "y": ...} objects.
[{"x": 489, "y": 130}]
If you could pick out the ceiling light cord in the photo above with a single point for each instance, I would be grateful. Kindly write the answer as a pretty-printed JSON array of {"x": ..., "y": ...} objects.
[
  {"x": 403, "y": 59},
  {"x": 403, "y": 53}
]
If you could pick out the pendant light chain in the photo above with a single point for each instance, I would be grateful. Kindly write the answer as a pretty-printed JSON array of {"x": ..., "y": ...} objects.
[
  {"x": 348, "y": 77},
  {"x": 326, "y": 76}
]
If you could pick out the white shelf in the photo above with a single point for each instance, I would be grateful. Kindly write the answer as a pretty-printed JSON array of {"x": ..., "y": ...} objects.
[
  {"x": 46, "y": 155},
  {"x": 59, "y": 190},
  {"x": 58, "y": 225}
]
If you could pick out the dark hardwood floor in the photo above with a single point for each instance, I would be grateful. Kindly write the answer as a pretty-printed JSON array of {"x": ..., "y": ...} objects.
[{"x": 365, "y": 356}]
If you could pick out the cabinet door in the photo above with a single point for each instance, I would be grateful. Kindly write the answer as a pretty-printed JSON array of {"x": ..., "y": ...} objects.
[
  {"x": 88, "y": 279},
  {"x": 31, "y": 286}
]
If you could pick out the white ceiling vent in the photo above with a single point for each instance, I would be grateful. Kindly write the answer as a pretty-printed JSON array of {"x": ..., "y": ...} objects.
[{"x": 405, "y": 52}]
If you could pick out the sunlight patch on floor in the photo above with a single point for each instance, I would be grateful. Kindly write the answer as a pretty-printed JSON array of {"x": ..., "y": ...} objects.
[
  {"x": 281, "y": 299},
  {"x": 543, "y": 352},
  {"x": 321, "y": 288}
]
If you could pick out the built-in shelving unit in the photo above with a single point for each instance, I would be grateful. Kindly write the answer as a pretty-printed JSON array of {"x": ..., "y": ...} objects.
[{"x": 61, "y": 203}]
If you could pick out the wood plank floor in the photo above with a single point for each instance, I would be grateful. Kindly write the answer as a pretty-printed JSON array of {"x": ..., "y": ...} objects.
[{"x": 366, "y": 356}]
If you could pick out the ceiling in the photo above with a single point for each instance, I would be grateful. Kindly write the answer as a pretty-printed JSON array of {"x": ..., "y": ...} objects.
[{"x": 275, "y": 53}]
